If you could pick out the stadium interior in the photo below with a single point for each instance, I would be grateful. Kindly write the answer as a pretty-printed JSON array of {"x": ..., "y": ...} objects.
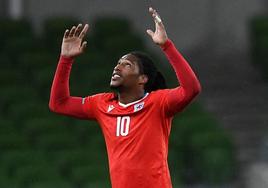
[{"x": 212, "y": 143}]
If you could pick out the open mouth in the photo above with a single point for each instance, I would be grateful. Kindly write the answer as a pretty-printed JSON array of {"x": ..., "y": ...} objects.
[{"x": 115, "y": 76}]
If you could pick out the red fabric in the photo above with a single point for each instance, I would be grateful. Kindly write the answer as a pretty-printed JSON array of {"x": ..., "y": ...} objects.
[
  {"x": 136, "y": 135},
  {"x": 60, "y": 100}
]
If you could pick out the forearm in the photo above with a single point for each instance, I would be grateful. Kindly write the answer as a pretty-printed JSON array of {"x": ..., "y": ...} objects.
[
  {"x": 185, "y": 75},
  {"x": 60, "y": 86},
  {"x": 60, "y": 100}
]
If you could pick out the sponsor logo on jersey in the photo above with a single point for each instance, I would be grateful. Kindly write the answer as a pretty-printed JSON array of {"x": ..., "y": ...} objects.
[
  {"x": 138, "y": 107},
  {"x": 110, "y": 108}
]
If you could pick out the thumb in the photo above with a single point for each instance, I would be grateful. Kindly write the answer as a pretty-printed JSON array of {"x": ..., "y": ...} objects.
[
  {"x": 83, "y": 47},
  {"x": 150, "y": 32}
]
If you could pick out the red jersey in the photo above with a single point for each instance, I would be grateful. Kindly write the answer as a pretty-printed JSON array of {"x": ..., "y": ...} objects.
[
  {"x": 136, "y": 137},
  {"x": 136, "y": 134}
]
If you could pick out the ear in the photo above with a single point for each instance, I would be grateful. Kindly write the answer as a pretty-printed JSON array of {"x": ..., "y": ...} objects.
[{"x": 143, "y": 79}]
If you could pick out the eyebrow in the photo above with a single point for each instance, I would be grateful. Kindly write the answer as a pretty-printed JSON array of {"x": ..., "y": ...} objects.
[{"x": 126, "y": 60}]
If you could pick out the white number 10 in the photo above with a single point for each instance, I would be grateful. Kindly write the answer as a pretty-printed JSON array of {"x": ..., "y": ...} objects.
[{"x": 122, "y": 127}]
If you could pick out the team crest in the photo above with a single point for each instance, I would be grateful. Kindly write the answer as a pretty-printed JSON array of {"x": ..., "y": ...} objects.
[{"x": 138, "y": 107}]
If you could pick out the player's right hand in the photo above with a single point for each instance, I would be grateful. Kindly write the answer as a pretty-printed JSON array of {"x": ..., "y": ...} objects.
[{"x": 72, "y": 43}]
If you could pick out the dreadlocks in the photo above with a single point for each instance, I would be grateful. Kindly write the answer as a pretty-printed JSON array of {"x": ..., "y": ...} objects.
[{"x": 146, "y": 66}]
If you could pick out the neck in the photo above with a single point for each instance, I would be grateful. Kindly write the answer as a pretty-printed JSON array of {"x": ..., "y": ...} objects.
[{"x": 130, "y": 96}]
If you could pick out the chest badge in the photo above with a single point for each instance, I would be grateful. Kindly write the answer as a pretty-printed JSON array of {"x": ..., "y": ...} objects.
[
  {"x": 138, "y": 107},
  {"x": 110, "y": 108}
]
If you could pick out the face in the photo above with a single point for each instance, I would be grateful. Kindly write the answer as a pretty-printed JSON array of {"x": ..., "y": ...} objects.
[{"x": 126, "y": 73}]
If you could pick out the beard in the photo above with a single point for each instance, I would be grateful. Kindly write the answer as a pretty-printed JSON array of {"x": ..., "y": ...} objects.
[{"x": 115, "y": 87}]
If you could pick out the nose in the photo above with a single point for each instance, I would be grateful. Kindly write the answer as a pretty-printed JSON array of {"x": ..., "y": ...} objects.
[{"x": 117, "y": 67}]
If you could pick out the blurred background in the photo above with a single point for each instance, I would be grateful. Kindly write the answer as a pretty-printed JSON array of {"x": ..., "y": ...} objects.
[{"x": 220, "y": 140}]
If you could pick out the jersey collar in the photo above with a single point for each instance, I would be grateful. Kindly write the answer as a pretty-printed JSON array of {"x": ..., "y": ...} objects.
[{"x": 129, "y": 104}]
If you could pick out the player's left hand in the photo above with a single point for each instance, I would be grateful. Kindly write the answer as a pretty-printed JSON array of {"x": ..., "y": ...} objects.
[{"x": 159, "y": 36}]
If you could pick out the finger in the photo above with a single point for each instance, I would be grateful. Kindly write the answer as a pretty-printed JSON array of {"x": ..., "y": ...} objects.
[
  {"x": 66, "y": 33},
  {"x": 77, "y": 30},
  {"x": 84, "y": 31},
  {"x": 155, "y": 16},
  {"x": 150, "y": 32},
  {"x": 72, "y": 31},
  {"x": 83, "y": 46},
  {"x": 151, "y": 10}
]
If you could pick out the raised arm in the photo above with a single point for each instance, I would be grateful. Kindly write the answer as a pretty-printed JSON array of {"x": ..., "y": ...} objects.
[
  {"x": 179, "y": 97},
  {"x": 60, "y": 100}
]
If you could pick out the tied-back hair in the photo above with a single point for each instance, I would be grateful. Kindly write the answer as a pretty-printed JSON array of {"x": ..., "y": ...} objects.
[{"x": 146, "y": 66}]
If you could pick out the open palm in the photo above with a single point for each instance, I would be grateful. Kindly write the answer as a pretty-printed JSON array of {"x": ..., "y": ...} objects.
[
  {"x": 72, "y": 43},
  {"x": 159, "y": 36}
]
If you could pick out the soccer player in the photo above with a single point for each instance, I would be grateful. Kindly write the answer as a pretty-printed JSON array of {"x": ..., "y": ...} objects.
[{"x": 136, "y": 118}]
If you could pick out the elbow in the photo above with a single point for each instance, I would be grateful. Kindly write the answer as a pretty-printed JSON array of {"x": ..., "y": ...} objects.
[
  {"x": 52, "y": 106},
  {"x": 57, "y": 106},
  {"x": 196, "y": 90}
]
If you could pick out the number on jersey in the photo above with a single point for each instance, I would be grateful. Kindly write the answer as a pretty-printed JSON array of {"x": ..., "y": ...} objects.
[{"x": 122, "y": 127}]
